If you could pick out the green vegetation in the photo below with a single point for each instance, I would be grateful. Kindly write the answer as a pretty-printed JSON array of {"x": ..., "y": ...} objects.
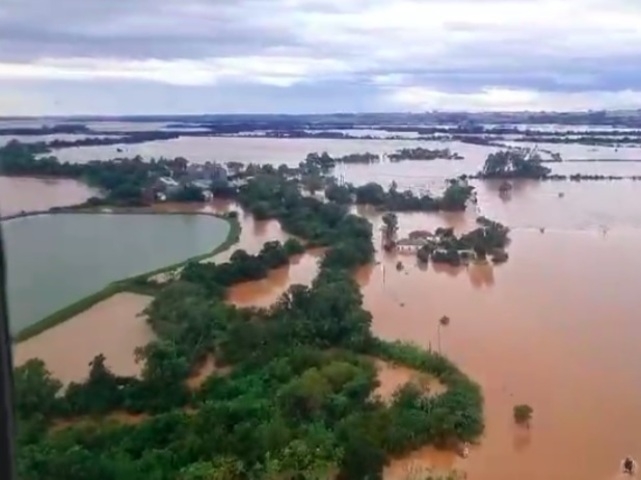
[
  {"x": 297, "y": 399},
  {"x": 390, "y": 225},
  {"x": 420, "y": 153},
  {"x": 489, "y": 238},
  {"x": 523, "y": 414},
  {"x": 514, "y": 164},
  {"x": 326, "y": 161},
  {"x": 454, "y": 198},
  {"x": 124, "y": 181}
]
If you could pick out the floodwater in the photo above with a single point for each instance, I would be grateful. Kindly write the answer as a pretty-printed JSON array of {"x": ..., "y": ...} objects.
[
  {"x": 4, "y": 139},
  {"x": 408, "y": 174},
  {"x": 556, "y": 327},
  {"x": 28, "y": 194},
  {"x": 301, "y": 271},
  {"x": 54, "y": 260},
  {"x": 112, "y": 327},
  {"x": 289, "y": 151}
]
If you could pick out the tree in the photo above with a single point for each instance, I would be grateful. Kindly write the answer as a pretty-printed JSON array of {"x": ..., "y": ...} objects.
[
  {"x": 35, "y": 389},
  {"x": 293, "y": 247},
  {"x": 225, "y": 468},
  {"x": 523, "y": 414},
  {"x": 188, "y": 193},
  {"x": 370, "y": 194},
  {"x": 273, "y": 254},
  {"x": 390, "y": 220},
  {"x": 514, "y": 163},
  {"x": 455, "y": 196},
  {"x": 338, "y": 193}
]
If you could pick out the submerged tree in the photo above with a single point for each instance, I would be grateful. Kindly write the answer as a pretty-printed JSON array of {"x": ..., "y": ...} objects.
[
  {"x": 514, "y": 164},
  {"x": 523, "y": 414}
]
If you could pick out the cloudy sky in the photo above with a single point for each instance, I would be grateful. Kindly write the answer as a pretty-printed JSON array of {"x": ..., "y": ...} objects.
[{"x": 298, "y": 56}]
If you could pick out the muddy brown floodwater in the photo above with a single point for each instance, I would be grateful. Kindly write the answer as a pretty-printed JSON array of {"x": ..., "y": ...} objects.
[
  {"x": 18, "y": 194},
  {"x": 556, "y": 327},
  {"x": 112, "y": 327},
  {"x": 263, "y": 293}
]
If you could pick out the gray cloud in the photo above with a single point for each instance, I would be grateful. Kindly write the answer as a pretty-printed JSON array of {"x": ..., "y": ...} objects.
[{"x": 398, "y": 53}]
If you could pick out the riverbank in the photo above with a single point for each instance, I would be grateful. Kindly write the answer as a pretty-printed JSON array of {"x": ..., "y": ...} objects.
[{"x": 136, "y": 283}]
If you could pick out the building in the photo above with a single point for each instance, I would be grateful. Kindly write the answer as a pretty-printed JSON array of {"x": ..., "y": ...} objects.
[
  {"x": 410, "y": 244},
  {"x": 209, "y": 171},
  {"x": 162, "y": 188}
]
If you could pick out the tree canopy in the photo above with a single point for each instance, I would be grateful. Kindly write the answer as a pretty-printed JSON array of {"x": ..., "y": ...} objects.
[{"x": 297, "y": 399}]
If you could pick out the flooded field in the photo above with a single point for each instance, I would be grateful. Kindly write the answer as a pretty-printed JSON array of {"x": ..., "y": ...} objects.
[
  {"x": 556, "y": 327},
  {"x": 55, "y": 260},
  {"x": 413, "y": 174},
  {"x": 112, "y": 327},
  {"x": 4, "y": 139},
  {"x": 28, "y": 194},
  {"x": 258, "y": 150}
]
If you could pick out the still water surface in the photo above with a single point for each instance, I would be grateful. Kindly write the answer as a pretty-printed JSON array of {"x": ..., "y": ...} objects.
[
  {"x": 54, "y": 260},
  {"x": 29, "y": 194},
  {"x": 292, "y": 151},
  {"x": 556, "y": 327}
]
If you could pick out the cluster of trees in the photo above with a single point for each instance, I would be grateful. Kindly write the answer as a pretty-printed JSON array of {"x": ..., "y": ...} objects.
[
  {"x": 454, "y": 198},
  {"x": 420, "y": 153},
  {"x": 522, "y": 414},
  {"x": 298, "y": 401},
  {"x": 123, "y": 180},
  {"x": 326, "y": 161},
  {"x": 514, "y": 163},
  {"x": 319, "y": 223},
  {"x": 241, "y": 267},
  {"x": 489, "y": 238}
]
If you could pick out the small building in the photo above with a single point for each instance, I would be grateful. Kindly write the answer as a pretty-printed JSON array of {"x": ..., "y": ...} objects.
[
  {"x": 166, "y": 185},
  {"x": 420, "y": 234},
  {"x": 409, "y": 244}
]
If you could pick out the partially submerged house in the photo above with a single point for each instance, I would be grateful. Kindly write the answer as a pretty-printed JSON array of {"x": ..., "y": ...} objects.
[{"x": 410, "y": 244}]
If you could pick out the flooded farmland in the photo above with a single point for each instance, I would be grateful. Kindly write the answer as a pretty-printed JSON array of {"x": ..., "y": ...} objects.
[
  {"x": 28, "y": 194},
  {"x": 55, "y": 260},
  {"x": 556, "y": 326},
  {"x": 112, "y": 327}
]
